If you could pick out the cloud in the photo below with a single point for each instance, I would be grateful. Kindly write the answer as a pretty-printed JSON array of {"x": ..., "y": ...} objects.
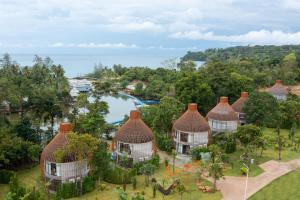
[
  {"x": 262, "y": 37},
  {"x": 93, "y": 45},
  {"x": 291, "y": 4},
  {"x": 135, "y": 26}
]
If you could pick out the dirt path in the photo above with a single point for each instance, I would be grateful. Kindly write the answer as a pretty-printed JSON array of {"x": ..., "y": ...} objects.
[{"x": 233, "y": 188}]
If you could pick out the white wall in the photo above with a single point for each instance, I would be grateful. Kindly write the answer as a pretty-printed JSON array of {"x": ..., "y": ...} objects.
[
  {"x": 195, "y": 139},
  {"x": 67, "y": 171},
  {"x": 222, "y": 126},
  {"x": 140, "y": 151}
]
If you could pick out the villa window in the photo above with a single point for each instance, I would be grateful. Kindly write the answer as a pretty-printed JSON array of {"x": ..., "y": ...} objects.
[
  {"x": 53, "y": 170},
  {"x": 124, "y": 148},
  {"x": 184, "y": 137}
]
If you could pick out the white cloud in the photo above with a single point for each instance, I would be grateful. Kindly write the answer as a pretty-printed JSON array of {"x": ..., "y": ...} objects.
[
  {"x": 291, "y": 4},
  {"x": 262, "y": 37},
  {"x": 93, "y": 45},
  {"x": 135, "y": 26},
  {"x": 40, "y": 22}
]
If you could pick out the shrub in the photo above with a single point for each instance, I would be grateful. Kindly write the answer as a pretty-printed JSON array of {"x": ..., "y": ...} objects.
[
  {"x": 134, "y": 182},
  {"x": 226, "y": 141},
  {"x": 155, "y": 161},
  {"x": 5, "y": 176},
  {"x": 196, "y": 152},
  {"x": 66, "y": 190},
  {"x": 244, "y": 170},
  {"x": 167, "y": 162},
  {"x": 88, "y": 184},
  {"x": 164, "y": 143},
  {"x": 102, "y": 187},
  {"x": 118, "y": 175}
]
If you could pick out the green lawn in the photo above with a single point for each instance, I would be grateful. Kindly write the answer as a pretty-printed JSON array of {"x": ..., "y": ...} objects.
[
  {"x": 31, "y": 178},
  {"x": 286, "y": 187},
  {"x": 269, "y": 154}
]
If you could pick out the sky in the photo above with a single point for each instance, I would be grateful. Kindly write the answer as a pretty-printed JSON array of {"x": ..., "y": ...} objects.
[{"x": 34, "y": 26}]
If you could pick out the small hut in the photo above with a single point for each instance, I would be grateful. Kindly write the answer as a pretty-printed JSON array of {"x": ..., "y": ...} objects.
[
  {"x": 134, "y": 140},
  {"x": 222, "y": 118},
  {"x": 68, "y": 169},
  {"x": 191, "y": 130},
  {"x": 279, "y": 91},
  {"x": 238, "y": 106}
]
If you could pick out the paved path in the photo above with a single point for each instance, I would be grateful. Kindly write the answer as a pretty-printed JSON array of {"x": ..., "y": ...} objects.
[{"x": 232, "y": 188}]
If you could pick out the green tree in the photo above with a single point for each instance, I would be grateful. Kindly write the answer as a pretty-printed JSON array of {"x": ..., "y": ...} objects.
[
  {"x": 138, "y": 90},
  {"x": 93, "y": 122},
  {"x": 192, "y": 89},
  {"x": 24, "y": 130},
  {"x": 261, "y": 109},
  {"x": 147, "y": 170}
]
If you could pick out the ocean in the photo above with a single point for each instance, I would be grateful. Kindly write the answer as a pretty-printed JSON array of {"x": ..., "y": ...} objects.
[{"x": 81, "y": 64}]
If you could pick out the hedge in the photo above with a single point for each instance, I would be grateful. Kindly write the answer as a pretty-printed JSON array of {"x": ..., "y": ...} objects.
[{"x": 5, "y": 176}]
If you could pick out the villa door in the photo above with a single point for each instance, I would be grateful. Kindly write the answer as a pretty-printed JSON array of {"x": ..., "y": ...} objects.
[{"x": 185, "y": 149}]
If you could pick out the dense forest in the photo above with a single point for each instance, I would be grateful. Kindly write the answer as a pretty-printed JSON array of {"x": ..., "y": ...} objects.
[{"x": 264, "y": 54}]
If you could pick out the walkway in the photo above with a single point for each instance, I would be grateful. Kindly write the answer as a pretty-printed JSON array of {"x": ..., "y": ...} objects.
[{"x": 232, "y": 188}]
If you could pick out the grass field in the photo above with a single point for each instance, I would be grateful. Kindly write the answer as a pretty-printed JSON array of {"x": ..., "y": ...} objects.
[
  {"x": 31, "y": 178},
  {"x": 286, "y": 187},
  {"x": 269, "y": 154}
]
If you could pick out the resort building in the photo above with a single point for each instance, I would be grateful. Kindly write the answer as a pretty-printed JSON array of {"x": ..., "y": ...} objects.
[
  {"x": 238, "y": 106},
  {"x": 191, "y": 130},
  {"x": 222, "y": 118},
  {"x": 68, "y": 169},
  {"x": 134, "y": 140},
  {"x": 279, "y": 91}
]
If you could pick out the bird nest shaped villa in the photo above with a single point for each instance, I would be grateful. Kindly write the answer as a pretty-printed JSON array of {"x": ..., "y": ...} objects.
[
  {"x": 68, "y": 169},
  {"x": 191, "y": 130},
  {"x": 134, "y": 141},
  {"x": 222, "y": 118}
]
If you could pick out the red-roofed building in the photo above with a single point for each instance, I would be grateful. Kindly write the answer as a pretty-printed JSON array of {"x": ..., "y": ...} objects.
[
  {"x": 238, "y": 106},
  {"x": 279, "y": 91},
  {"x": 135, "y": 140},
  {"x": 222, "y": 118},
  {"x": 67, "y": 170},
  {"x": 191, "y": 130}
]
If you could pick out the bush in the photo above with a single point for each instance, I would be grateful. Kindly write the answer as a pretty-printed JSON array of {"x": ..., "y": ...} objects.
[
  {"x": 196, "y": 152},
  {"x": 118, "y": 175},
  {"x": 88, "y": 184},
  {"x": 134, "y": 182},
  {"x": 153, "y": 161},
  {"x": 226, "y": 141},
  {"x": 164, "y": 143},
  {"x": 244, "y": 170},
  {"x": 167, "y": 161},
  {"x": 5, "y": 176},
  {"x": 102, "y": 187},
  {"x": 66, "y": 190}
]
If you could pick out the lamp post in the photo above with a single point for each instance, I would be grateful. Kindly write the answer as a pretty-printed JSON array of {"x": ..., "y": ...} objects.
[{"x": 245, "y": 193}]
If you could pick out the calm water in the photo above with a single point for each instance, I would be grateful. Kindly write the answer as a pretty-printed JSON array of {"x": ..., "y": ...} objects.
[{"x": 80, "y": 64}]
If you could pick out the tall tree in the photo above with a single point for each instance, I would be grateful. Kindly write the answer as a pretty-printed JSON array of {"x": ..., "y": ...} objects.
[{"x": 261, "y": 109}]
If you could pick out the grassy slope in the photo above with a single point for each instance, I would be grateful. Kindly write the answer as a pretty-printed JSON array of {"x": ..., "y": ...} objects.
[
  {"x": 283, "y": 188},
  {"x": 269, "y": 154}
]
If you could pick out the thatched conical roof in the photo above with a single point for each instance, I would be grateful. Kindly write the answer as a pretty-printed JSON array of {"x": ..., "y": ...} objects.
[
  {"x": 222, "y": 111},
  {"x": 191, "y": 121},
  {"x": 58, "y": 142},
  {"x": 278, "y": 89},
  {"x": 134, "y": 130},
  {"x": 238, "y": 105}
]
